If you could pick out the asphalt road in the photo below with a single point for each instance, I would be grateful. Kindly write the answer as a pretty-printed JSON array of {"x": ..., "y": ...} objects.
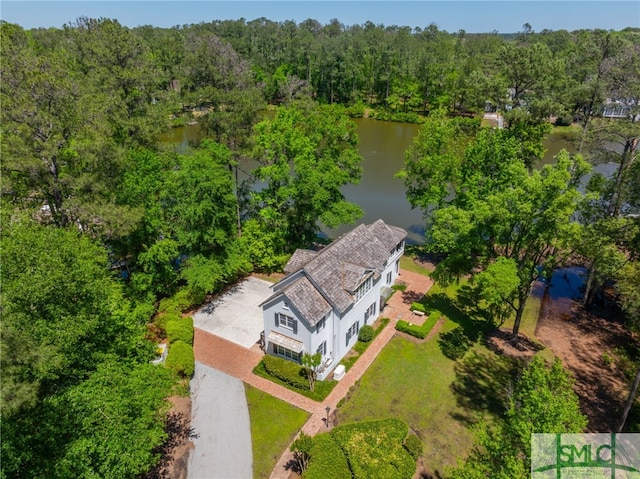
[{"x": 220, "y": 427}]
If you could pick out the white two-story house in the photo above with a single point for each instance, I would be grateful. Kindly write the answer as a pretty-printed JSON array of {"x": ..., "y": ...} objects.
[{"x": 327, "y": 295}]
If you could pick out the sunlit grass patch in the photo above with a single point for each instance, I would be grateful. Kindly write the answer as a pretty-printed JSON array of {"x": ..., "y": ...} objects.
[{"x": 274, "y": 423}]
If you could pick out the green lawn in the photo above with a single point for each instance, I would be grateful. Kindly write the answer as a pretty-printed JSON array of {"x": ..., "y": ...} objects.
[
  {"x": 439, "y": 398},
  {"x": 574, "y": 129},
  {"x": 274, "y": 423},
  {"x": 412, "y": 382},
  {"x": 408, "y": 264}
]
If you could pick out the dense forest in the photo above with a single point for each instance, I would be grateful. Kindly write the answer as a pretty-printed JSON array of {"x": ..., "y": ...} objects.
[{"x": 108, "y": 235}]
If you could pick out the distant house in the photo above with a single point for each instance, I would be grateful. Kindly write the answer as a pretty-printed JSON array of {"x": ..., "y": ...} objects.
[
  {"x": 328, "y": 295},
  {"x": 620, "y": 109}
]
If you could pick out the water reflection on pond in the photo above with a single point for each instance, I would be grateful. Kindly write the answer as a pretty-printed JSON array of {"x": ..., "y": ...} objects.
[
  {"x": 380, "y": 194},
  {"x": 563, "y": 293}
]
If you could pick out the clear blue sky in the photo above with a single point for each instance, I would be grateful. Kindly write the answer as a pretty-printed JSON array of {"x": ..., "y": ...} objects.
[{"x": 451, "y": 15}]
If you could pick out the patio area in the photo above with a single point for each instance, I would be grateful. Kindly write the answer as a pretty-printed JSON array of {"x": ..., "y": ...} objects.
[{"x": 236, "y": 315}]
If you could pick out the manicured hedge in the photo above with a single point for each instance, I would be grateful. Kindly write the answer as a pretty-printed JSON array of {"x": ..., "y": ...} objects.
[
  {"x": 366, "y": 333},
  {"x": 419, "y": 307},
  {"x": 180, "y": 359},
  {"x": 163, "y": 318},
  {"x": 414, "y": 446},
  {"x": 327, "y": 460},
  {"x": 180, "y": 329},
  {"x": 179, "y": 302},
  {"x": 374, "y": 449},
  {"x": 287, "y": 371},
  {"x": 419, "y": 331}
]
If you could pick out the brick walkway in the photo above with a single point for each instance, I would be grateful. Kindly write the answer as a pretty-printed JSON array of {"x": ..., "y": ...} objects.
[{"x": 239, "y": 362}]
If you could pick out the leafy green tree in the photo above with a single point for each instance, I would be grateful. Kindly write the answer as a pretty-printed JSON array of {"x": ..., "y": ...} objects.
[
  {"x": 199, "y": 203},
  {"x": 311, "y": 364},
  {"x": 158, "y": 267},
  {"x": 307, "y": 154},
  {"x": 532, "y": 73},
  {"x": 61, "y": 311},
  {"x": 497, "y": 286},
  {"x": 74, "y": 360},
  {"x": 106, "y": 426},
  {"x": 432, "y": 162},
  {"x": 118, "y": 67},
  {"x": 543, "y": 402},
  {"x": 497, "y": 207},
  {"x": 58, "y": 159},
  {"x": 627, "y": 285},
  {"x": 125, "y": 404},
  {"x": 301, "y": 449}
]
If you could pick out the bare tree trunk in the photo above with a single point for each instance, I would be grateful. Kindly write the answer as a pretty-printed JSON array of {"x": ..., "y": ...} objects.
[
  {"x": 630, "y": 399},
  {"x": 588, "y": 296},
  {"x": 522, "y": 302}
]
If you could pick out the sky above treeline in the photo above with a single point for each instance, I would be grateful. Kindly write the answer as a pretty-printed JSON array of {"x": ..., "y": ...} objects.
[{"x": 474, "y": 16}]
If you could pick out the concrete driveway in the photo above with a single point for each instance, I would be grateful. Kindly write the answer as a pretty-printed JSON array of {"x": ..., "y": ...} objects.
[
  {"x": 221, "y": 427},
  {"x": 236, "y": 316}
]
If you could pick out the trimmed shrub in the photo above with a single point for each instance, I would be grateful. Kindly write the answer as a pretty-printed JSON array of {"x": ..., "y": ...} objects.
[
  {"x": 179, "y": 302},
  {"x": 366, "y": 333},
  {"x": 419, "y": 332},
  {"x": 180, "y": 359},
  {"x": 414, "y": 446},
  {"x": 327, "y": 460},
  {"x": 163, "y": 318},
  {"x": 419, "y": 307},
  {"x": 399, "y": 287},
  {"x": 374, "y": 449},
  {"x": 287, "y": 371},
  {"x": 180, "y": 330}
]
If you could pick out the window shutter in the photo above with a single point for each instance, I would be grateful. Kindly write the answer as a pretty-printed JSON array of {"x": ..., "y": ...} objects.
[
  {"x": 295, "y": 326},
  {"x": 276, "y": 316}
]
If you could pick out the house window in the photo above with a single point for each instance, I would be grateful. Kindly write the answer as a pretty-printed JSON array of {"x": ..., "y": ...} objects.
[
  {"x": 287, "y": 353},
  {"x": 321, "y": 324},
  {"x": 364, "y": 288},
  {"x": 397, "y": 266},
  {"x": 322, "y": 349},
  {"x": 389, "y": 277},
  {"x": 285, "y": 305},
  {"x": 399, "y": 246},
  {"x": 370, "y": 312},
  {"x": 285, "y": 321},
  {"x": 353, "y": 331}
]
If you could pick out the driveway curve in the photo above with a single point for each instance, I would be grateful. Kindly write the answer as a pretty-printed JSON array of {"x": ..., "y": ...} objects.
[{"x": 221, "y": 431}]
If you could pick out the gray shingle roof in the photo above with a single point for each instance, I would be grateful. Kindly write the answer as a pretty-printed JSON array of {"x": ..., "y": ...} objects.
[
  {"x": 335, "y": 272},
  {"x": 299, "y": 259},
  {"x": 306, "y": 299}
]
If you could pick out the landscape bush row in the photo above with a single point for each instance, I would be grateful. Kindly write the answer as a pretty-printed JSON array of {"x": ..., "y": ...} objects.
[
  {"x": 419, "y": 332},
  {"x": 287, "y": 371},
  {"x": 178, "y": 330}
]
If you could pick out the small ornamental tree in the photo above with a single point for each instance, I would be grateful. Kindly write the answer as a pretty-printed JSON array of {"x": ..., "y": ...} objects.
[
  {"x": 301, "y": 449},
  {"x": 311, "y": 364}
]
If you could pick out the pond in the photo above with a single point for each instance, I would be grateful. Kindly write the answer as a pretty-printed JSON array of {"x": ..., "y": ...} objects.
[{"x": 380, "y": 194}]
